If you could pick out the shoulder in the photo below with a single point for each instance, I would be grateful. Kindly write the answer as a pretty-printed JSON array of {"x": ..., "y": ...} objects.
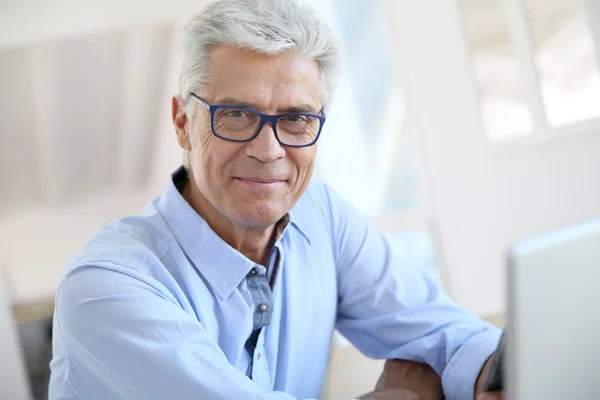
[
  {"x": 313, "y": 209},
  {"x": 322, "y": 210},
  {"x": 324, "y": 201},
  {"x": 136, "y": 241},
  {"x": 118, "y": 260},
  {"x": 317, "y": 197}
]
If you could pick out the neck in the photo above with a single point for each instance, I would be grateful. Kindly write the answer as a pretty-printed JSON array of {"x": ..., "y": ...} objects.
[{"x": 254, "y": 243}]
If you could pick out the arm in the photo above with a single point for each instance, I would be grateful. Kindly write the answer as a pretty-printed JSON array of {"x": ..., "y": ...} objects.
[
  {"x": 391, "y": 394},
  {"x": 125, "y": 338},
  {"x": 479, "y": 385},
  {"x": 421, "y": 380},
  {"x": 392, "y": 311},
  {"x": 417, "y": 377}
]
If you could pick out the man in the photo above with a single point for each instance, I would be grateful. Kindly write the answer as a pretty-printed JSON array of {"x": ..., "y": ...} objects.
[{"x": 230, "y": 284}]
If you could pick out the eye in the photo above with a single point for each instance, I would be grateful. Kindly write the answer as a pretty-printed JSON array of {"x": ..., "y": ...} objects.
[
  {"x": 236, "y": 113},
  {"x": 295, "y": 118}
]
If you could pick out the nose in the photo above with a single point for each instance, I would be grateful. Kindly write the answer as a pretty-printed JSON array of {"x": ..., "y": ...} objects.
[{"x": 265, "y": 147}]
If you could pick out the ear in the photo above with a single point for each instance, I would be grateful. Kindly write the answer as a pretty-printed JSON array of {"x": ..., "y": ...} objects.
[{"x": 180, "y": 121}]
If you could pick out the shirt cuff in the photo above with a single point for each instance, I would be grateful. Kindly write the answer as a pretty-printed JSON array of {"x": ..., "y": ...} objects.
[{"x": 458, "y": 379}]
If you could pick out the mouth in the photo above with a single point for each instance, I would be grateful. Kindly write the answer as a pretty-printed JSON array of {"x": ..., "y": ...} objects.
[
  {"x": 258, "y": 182},
  {"x": 258, "y": 179}
]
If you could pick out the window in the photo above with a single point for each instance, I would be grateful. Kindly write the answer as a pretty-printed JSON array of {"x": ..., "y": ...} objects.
[
  {"x": 535, "y": 64},
  {"x": 565, "y": 59},
  {"x": 504, "y": 111}
]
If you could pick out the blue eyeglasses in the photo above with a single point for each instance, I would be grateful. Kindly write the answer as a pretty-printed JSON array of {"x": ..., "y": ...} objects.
[{"x": 238, "y": 124}]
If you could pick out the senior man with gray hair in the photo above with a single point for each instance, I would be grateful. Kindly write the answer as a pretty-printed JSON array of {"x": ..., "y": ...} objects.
[{"x": 230, "y": 284}]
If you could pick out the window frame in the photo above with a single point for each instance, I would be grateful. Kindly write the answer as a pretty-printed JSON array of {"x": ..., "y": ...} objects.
[{"x": 525, "y": 52}]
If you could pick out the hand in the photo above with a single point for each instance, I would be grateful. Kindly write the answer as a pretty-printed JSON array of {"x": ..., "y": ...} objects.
[
  {"x": 490, "y": 396},
  {"x": 392, "y": 394},
  {"x": 479, "y": 384},
  {"x": 416, "y": 377}
]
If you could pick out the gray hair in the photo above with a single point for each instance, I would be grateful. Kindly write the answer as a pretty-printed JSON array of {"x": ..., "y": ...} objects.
[{"x": 265, "y": 26}]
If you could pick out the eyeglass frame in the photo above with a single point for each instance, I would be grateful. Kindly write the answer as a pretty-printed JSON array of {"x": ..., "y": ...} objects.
[{"x": 264, "y": 118}]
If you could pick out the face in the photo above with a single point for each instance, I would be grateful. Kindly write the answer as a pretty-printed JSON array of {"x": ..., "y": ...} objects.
[{"x": 251, "y": 184}]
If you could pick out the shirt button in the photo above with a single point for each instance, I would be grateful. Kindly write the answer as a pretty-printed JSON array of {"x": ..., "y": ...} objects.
[
  {"x": 254, "y": 271},
  {"x": 263, "y": 307}
]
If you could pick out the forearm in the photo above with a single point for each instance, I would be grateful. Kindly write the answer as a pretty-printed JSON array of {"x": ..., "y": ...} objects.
[
  {"x": 417, "y": 377},
  {"x": 391, "y": 394}
]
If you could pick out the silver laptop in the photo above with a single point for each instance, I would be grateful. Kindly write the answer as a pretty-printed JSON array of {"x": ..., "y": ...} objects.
[{"x": 553, "y": 315}]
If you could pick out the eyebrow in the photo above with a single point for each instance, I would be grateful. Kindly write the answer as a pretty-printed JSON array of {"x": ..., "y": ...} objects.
[{"x": 304, "y": 108}]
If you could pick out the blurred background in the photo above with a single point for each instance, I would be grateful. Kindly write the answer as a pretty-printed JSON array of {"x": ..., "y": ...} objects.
[{"x": 459, "y": 127}]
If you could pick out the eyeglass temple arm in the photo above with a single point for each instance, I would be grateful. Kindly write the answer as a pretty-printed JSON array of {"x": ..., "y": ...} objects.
[{"x": 199, "y": 100}]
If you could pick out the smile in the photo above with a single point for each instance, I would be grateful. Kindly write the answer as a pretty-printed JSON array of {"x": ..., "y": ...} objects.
[{"x": 259, "y": 183}]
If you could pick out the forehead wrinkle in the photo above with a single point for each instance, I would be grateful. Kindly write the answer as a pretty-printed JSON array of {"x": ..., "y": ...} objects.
[
  {"x": 284, "y": 97},
  {"x": 269, "y": 82}
]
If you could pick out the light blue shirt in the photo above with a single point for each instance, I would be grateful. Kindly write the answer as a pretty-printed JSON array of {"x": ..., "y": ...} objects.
[{"x": 157, "y": 306}]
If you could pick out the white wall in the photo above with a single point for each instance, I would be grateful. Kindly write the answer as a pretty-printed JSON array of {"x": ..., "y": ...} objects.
[
  {"x": 592, "y": 8},
  {"x": 13, "y": 384},
  {"x": 483, "y": 197}
]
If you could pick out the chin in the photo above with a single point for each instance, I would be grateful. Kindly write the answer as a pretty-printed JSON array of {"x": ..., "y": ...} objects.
[{"x": 259, "y": 215}]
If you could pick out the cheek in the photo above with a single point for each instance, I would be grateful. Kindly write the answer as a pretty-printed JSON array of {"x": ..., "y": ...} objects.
[
  {"x": 203, "y": 138},
  {"x": 304, "y": 160},
  {"x": 202, "y": 156},
  {"x": 213, "y": 155}
]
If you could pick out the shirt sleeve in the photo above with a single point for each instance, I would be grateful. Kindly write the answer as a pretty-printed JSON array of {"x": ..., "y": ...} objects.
[
  {"x": 126, "y": 339},
  {"x": 393, "y": 311}
]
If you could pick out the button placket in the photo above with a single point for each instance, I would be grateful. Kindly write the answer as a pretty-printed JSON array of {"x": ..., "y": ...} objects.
[{"x": 261, "y": 297}]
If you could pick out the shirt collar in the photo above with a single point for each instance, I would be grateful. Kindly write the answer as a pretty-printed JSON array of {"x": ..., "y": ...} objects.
[{"x": 223, "y": 266}]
